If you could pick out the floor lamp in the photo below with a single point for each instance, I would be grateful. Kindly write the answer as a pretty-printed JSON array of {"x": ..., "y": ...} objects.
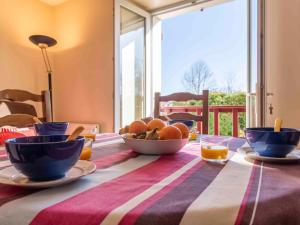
[{"x": 44, "y": 42}]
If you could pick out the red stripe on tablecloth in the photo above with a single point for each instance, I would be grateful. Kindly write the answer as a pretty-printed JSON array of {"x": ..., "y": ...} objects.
[
  {"x": 114, "y": 159},
  {"x": 97, "y": 202},
  {"x": 244, "y": 204},
  {"x": 171, "y": 203},
  {"x": 249, "y": 207},
  {"x": 9, "y": 193}
]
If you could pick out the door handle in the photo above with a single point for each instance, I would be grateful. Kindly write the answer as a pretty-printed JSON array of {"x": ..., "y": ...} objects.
[{"x": 271, "y": 109}]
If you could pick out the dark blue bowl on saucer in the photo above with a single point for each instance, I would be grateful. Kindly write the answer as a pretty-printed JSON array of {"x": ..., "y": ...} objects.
[
  {"x": 43, "y": 158},
  {"x": 268, "y": 143},
  {"x": 51, "y": 128},
  {"x": 188, "y": 123}
]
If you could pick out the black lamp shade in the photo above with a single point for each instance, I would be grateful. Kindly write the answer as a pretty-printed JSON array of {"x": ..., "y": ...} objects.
[{"x": 42, "y": 39}]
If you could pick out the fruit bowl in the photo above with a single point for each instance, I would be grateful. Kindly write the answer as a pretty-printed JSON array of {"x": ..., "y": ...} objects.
[{"x": 155, "y": 147}]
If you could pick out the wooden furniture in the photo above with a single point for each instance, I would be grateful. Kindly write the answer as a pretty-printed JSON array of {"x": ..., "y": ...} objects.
[
  {"x": 216, "y": 110},
  {"x": 180, "y": 97},
  {"x": 21, "y": 111}
]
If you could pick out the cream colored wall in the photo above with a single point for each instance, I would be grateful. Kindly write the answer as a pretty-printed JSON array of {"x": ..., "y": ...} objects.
[
  {"x": 283, "y": 60},
  {"x": 82, "y": 60},
  {"x": 83, "y": 63},
  {"x": 21, "y": 64}
]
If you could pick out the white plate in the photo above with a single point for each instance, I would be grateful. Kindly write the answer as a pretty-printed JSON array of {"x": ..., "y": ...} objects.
[
  {"x": 155, "y": 147},
  {"x": 292, "y": 157},
  {"x": 11, "y": 176}
]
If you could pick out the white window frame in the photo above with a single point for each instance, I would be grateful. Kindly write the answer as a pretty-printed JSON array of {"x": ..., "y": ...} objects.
[
  {"x": 153, "y": 52},
  {"x": 117, "y": 76},
  {"x": 180, "y": 8}
]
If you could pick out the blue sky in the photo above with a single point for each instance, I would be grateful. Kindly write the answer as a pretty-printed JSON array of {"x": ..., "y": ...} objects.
[{"x": 218, "y": 36}]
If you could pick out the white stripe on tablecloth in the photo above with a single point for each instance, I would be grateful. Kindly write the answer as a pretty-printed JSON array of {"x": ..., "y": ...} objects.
[
  {"x": 4, "y": 163},
  {"x": 99, "y": 144},
  {"x": 105, "y": 137},
  {"x": 31, "y": 205},
  {"x": 257, "y": 194},
  {"x": 220, "y": 202},
  {"x": 115, "y": 216}
]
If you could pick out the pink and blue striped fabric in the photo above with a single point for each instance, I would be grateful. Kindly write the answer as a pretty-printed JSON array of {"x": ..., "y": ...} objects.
[{"x": 181, "y": 189}]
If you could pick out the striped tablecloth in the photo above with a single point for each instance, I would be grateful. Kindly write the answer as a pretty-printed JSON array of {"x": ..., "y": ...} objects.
[{"x": 129, "y": 188}]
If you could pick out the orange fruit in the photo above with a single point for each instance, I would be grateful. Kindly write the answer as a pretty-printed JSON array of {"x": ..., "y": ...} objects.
[
  {"x": 183, "y": 128},
  {"x": 86, "y": 153},
  {"x": 138, "y": 127},
  {"x": 156, "y": 123},
  {"x": 170, "y": 132}
]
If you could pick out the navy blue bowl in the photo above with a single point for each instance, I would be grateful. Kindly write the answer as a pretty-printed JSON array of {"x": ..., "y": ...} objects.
[
  {"x": 44, "y": 158},
  {"x": 51, "y": 128},
  {"x": 268, "y": 143},
  {"x": 188, "y": 123}
]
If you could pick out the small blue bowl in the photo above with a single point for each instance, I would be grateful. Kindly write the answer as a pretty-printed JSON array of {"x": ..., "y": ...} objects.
[
  {"x": 43, "y": 158},
  {"x": 51, "y": 128},
  {"x": 268, "y": 143},
  {"x": 188, "y": 123}
]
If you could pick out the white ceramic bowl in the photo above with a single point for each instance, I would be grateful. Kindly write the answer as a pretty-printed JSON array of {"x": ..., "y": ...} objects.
[{"x": 155, "y": 147}]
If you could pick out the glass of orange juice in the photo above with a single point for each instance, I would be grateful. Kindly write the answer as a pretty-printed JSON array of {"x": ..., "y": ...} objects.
[
  {"x": 214, "y": 152},
  {"x": 87, "y": 149}
]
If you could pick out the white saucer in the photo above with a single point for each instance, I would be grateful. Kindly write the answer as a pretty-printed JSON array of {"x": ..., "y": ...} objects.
[
  {"x": 292, "y": 157},
  {"x": 10, "y": 176}
]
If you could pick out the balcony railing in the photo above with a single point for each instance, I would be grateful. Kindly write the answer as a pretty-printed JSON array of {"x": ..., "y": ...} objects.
[{"x": 234, "y": 110}]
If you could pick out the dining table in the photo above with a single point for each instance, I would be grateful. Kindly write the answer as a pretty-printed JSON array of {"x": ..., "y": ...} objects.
[{"x": 129, "y": 188}]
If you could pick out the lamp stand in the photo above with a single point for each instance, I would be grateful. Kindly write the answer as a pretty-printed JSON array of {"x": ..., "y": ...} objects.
[
  {"x": 43, "y": 42},
  {"x": 50, "y": 91}
]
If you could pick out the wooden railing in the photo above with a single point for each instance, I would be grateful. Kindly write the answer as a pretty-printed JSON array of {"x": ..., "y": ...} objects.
[{"x": 235, "y": 110}]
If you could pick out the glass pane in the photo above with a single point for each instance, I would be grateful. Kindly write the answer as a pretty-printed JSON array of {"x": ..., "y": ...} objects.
[
  {"x": 252, "y": 108},
  {"x": 132, "y": 53},
  {"x": 254, "y": 36}
]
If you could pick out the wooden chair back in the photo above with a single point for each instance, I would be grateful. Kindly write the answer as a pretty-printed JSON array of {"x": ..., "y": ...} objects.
[
  {"x": 183, "y": 97},
  {"x": 22, "y": 113}
]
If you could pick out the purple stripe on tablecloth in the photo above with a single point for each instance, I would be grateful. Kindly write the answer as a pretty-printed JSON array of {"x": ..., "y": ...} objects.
[
  {"x": 279, "y": 202},
  {"x": 235, "y": 143},
  {"x": 246, "y": 209},
  {"x": 170, "y": 208}
]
